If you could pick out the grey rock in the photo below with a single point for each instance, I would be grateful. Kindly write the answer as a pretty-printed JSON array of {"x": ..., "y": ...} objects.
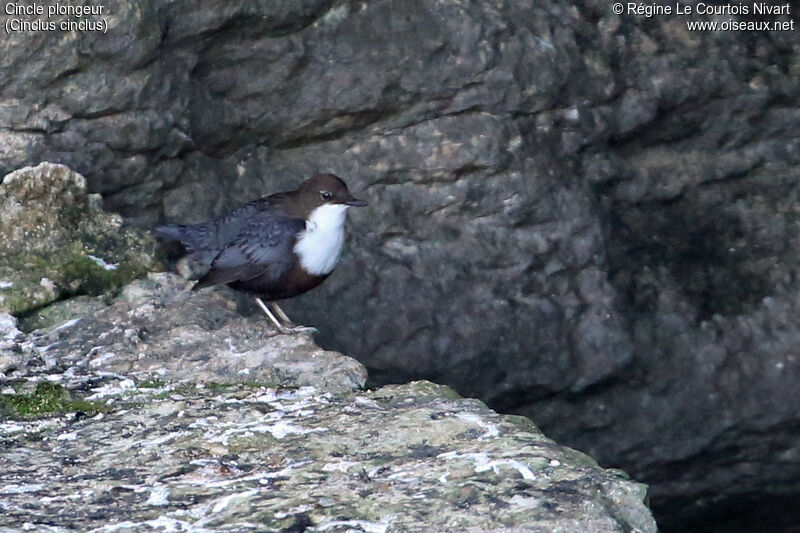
[
  {"x": 403, "y": 458},
  {"x": 157, "y": 329},
  {"x": 9, "y": 336},
  {"x": 572, "y": 211},
  {"x": 60, "y": 312},
  {"x": 201, "y": 418},
  {"x": 56, "y": 241}
]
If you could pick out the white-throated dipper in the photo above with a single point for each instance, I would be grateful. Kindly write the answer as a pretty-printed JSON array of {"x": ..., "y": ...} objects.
[{"x": 276, "y": 247}]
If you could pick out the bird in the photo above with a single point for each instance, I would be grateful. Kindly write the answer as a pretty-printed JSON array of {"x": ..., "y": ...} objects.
[{"x": 274, "y": 248}]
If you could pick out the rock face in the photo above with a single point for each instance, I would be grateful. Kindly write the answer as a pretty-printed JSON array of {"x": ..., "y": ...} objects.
[
  {"x": 156, "y": 327},
  {"x": 198, "y": 418},
  {"x": 56, "y": 240},
  {"x": 588, "y": 218}
]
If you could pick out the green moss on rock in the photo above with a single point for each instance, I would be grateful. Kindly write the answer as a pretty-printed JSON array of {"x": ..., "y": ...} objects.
[
  {"x": 416, "y": 389},
  {"x": 49, "y": 229},
  {"x": 46, "y": 398},
  {"x": 84, "y": 276}
]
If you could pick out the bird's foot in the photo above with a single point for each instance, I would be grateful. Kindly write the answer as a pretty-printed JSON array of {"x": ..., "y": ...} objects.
[
  {"x": 294, "y": 330},
  {"x": 285, "y": 329}
]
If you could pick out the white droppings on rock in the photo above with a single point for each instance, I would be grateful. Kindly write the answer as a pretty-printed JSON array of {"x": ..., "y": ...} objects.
[
  {"x": 483, "y": 463},
  {"x": 403, "y": 477},
  {"x": 67, "y": 324},
  {"x": 267, "y": 397},
  {"x": 159, "y": 495},
  {"x": 102, "y": 263},
  {"x": 31, "y": 427},
  {"x": 283, "y": 428},
  {"x": 6, "y": 284},
  {"x": 21, "y": 489},
  {"x": 341, "y": 466},
  {"x": 491, "y": 429},
  {"x": 169, "y": 437},
  {"x": 48, "y": 285},
  {"x": 494, "y": 466},
  {"x": 524, "y": 502},
  {"x": 367, "y": 402},
  {"x": 162, "y": 523},
  {"x": 222, "y": 503},
  {"x": 357, "y": 525},
  {"x": 72, "y": 435},
  {"x": 294, "y": 510},
  {"x": 112, "y": 389},
  {"x": 98, "y": 361}
]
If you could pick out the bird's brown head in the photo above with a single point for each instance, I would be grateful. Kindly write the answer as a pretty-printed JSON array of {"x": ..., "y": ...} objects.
[{"x": 322, "y": 189}]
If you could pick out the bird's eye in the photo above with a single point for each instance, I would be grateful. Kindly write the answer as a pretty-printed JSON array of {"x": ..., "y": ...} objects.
[{"x": 325, "y": 195}]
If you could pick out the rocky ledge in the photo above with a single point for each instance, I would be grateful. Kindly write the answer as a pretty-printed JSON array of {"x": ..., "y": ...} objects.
[
  {"x": 149, "y": 406},
  {"x": 168, "y": 409}
]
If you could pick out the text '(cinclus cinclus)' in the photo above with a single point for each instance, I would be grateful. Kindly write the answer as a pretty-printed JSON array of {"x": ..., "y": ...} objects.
[{"x": 276, "y": 247}]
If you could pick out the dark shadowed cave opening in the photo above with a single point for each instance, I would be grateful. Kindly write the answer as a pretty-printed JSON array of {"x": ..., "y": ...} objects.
[
  {"x": 762, "y": 513},
  {"x": 714, "y": 260},
  {"x": 704, "y": 248}
]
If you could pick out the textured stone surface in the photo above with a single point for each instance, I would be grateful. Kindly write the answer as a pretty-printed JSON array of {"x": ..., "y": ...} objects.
[
  {"x": 56, "y": 241},
  {"x": 203, "y": 420},
  {"x": 402, "y": 458},
  {"x": 587, "y": 218},
  {"x": 158, "y": 329}
]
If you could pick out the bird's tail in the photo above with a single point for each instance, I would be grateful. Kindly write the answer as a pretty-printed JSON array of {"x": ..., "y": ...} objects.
[
  {"x": 192, "y": 237},
  {"x": 172, "y": 232}
]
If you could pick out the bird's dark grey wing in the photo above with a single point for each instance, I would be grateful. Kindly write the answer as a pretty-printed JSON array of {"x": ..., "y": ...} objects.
[
  {"x": 263, "y": 246},
  {"x": 214, "y": 235}
]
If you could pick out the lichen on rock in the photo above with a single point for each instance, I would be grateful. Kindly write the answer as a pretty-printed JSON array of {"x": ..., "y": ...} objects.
[
  {"x": 56, "y": 240},
  {"x": 155, "y": 328},
  {"x": 267, "y": 458},
  {"x": 170, "y": 409}
]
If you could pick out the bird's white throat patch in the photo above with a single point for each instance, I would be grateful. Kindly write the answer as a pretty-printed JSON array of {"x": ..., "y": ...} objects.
[{"x": 320, "y": 245}]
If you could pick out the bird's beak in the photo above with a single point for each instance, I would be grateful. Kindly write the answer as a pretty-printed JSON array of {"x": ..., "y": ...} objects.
[{"x": 355, "y": 202}]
